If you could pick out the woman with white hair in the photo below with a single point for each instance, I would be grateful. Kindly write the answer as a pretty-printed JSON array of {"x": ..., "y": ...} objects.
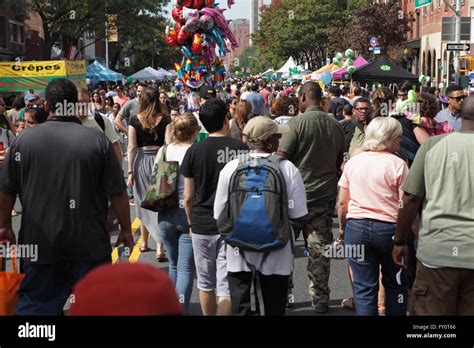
[{"x": 370, "y": 192}]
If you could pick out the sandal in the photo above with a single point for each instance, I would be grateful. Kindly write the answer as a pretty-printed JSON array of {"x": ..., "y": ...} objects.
[
  {"x": 348, "y": 303},
  {"x": 144, "y": 249},
  {"x": 162, "y": 258}
]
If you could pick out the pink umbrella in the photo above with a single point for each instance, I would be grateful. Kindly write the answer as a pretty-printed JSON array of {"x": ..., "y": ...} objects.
[{"x": 360, "y": 61}]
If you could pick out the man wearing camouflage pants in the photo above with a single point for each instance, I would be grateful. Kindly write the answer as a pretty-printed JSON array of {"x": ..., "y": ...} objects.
[{"x": 315, "y": 145}]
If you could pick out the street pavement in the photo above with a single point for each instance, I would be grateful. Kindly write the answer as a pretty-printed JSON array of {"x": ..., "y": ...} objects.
[{"x": 339, "y": 282}]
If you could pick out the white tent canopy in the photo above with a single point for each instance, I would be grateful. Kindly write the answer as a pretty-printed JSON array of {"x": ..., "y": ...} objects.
[
  {"x": 172, "y": 73},
  {"x": 269, "y": 71},
  {"x": 166, "y": 73},
  {"x": 148, "y": 74},
  {"x": 284, "y": 71}
]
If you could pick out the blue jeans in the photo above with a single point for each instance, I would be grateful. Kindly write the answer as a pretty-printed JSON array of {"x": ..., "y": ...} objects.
[
  {"x": 174, "y": 232},
  {"x": 45, "y": 288},
  {"x": 375, "y": 237}
]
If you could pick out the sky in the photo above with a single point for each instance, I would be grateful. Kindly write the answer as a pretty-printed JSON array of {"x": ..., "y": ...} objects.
[{"x": 241, "y": 8}]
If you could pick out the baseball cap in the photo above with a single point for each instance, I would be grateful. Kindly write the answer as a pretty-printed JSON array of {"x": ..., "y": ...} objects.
[
  {"x": 30, "y": 97},
  {"x": 207, "y": 92},
  {"x": 125, "y": 289},
  {"x": 260, "y": 128}
]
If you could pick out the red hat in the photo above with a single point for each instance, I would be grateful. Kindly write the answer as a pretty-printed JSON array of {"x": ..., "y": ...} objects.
[{"x": 125, "y": 289}]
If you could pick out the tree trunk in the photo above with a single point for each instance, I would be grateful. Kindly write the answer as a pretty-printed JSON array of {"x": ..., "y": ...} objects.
[{"x": 48, "y": 43}]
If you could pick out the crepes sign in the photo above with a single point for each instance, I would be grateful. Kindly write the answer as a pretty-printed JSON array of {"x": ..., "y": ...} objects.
[
  {"x": 21, "y": 76},
  {"x": 23, "y": 69}
]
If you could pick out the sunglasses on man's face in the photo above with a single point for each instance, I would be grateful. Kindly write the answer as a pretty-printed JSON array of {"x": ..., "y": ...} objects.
[
  {"x": 458, "y": 98},
  {"x": 402, "y": 94}
]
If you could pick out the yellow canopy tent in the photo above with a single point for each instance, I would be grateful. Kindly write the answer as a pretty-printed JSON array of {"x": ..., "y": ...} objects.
[
  {"x": 21, "y": 76},
  {"x": 315, "y": 75}
]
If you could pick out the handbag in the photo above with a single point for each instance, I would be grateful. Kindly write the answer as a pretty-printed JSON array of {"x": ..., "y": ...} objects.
[
  {"x": 9, "y": 285},
  {"x": 162, "y": 194}
]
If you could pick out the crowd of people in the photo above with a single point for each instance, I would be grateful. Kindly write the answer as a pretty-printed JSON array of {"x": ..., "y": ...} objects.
[{"x": 393, "y": 164}]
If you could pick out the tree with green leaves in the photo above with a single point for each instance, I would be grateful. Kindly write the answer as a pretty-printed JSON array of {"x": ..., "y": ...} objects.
[
  {"x": 140, "y": 26},
  {"x": 382, "y": 20}
]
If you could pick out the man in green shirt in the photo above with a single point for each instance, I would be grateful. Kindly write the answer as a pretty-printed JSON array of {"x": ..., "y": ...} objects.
[
  {"x": 315, "y": 144},
  {"x": 441, "y": 178}
]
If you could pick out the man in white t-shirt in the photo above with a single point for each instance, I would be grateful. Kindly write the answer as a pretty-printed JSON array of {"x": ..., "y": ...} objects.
[
  {"x": 87, "y": 118},
  {"x": 262, "y": 135}
]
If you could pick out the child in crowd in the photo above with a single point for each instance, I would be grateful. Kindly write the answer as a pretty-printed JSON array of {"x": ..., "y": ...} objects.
[{"x": 19, "y": 126}]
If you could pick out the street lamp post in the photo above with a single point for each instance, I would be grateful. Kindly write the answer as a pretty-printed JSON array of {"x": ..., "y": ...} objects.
[
  {"x": 107, "y": 42},
  {"x": 457, "y": 38}
]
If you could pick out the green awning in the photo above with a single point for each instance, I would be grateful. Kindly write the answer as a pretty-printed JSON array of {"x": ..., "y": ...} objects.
[{"x": 414, "y": 43}]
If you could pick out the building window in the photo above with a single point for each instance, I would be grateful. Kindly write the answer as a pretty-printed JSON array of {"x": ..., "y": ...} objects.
[
  {"x": 12, "y": 32},
  {"x": 17, "y": 33},
  {"x": 3, "y": 36}
]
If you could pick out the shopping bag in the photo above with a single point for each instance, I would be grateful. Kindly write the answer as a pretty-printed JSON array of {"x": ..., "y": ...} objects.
[
  {"x": 162, "y": 194},
  {"x": 9, "y": 285}
]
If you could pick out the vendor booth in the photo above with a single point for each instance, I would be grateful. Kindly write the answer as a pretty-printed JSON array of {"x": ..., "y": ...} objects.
[
  {"x": 23, "y": 76},
  {"x": 97, "y": 72}
]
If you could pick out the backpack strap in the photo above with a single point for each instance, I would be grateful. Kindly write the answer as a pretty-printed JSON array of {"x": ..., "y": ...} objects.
[
  {"x": 276, "y": 160},
  {"x": 100, "y": 121},
  {"x": 256, "y": 295},
  {"x": 163, "y": 153}
]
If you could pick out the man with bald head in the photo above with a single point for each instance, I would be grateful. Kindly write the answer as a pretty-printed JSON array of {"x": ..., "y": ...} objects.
[
  {"x": 315, "y": 144},
  {"x": 441, "y": 180}
]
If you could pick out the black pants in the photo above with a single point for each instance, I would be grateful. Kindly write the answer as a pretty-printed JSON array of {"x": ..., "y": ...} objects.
[{"x": 274, "y": 292}]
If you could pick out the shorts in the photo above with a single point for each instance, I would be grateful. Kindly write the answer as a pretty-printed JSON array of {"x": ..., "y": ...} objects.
[{"x": 211, "y": 264}]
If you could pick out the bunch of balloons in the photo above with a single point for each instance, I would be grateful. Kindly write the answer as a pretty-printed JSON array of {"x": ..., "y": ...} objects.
[
  {"x": 349, "y": 61},
  {"x": 201, "y": 29},
  {"x": 424, "y": 80}
]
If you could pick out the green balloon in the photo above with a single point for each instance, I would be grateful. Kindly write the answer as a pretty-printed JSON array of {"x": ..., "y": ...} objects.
[
  {"x": 335, "y": 61},
  {"x": 349, "y": 62},
  {"x": 339, "y": 56},
  {"x": 349, "y": 53},
  {"x": 351, "y": 69},
  {"x": 129, "y": 79}
]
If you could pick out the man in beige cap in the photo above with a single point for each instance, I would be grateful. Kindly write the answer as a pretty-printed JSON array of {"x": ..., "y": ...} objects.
[{"x": 262, "y": 135}]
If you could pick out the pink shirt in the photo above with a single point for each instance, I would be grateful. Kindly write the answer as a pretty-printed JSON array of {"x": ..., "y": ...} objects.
[
  {"x": 374, "y": 180},
  {"x": 122, "y": 100},
  {"x": 265, "y": 93}
]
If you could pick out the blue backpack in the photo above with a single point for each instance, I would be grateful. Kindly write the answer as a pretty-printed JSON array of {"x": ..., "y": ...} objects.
[{"x": 255, "y": 217}]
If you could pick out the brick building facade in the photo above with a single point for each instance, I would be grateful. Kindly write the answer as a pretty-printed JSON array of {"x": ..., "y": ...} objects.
[
  {"x": 431, "y": 56},
  {"x": 12, "y": 30}
]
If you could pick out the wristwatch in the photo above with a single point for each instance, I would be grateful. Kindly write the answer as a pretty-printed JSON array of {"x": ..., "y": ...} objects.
[{"x": 399, "y": 242}]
